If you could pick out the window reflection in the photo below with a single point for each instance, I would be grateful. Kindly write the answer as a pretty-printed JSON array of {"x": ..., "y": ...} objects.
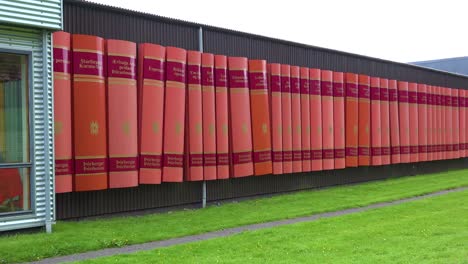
[{"x": 14, "y": 133}]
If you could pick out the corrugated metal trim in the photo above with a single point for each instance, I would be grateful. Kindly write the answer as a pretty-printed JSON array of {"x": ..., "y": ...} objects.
[
  {"x": 28, "y": 39},
  {"x": 42, "y": 14}
]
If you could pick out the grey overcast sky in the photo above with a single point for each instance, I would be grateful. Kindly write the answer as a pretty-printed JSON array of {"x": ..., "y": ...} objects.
[{"x": 398, "y": 30}]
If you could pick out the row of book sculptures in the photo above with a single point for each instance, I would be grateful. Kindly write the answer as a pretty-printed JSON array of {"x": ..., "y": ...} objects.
[{"x": 128, "y": 114}]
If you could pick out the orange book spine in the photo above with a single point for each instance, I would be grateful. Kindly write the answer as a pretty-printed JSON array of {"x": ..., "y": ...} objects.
[
  {"x": 404, "y": 121},
  {"x": 305, "y": 120},
  {"x": 385, "y": 121},
  {"x": 423, "y": 130},
  {"x": 296, "y": 119},
  {"x": 448, "y": 123},
  {"x": 89, "y": 113},
  {"x": 151, "y": 102},
  {"x": 394, "y": 122},
  {"x": 209, "y": 116},
  {"x": 430, "y": 123},
  {"x": 413, "y": 121},
  {"x": 260, "y": 113},
  {"x": 194, "y": 119},
  {"x": 352, "y": 114},
  {"x": 63, "y": 114},
  {"x": 241, "y": 128},
  {"x": 339, "y": 120},
  {"x": 376, "y": 129},
  {"x": 276, "y": 117},
  {"x": 364, "y": 121},
  {"x": 286, "y": 117},
  {"x": 455, "y": 124},
  {"x": 222, "y": 118},
  {"x": 440, "y": 117},
  {"x": 174, "y": 115},
  {"x": 315, "y": 119},
  {"x": 122, "y": 113},
  {"x": 328, "y": 154},
  {"x": 462, "y": 112}
]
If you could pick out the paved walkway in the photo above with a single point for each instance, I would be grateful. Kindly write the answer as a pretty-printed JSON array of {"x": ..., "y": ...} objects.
[{"x": 232, "y": 231}]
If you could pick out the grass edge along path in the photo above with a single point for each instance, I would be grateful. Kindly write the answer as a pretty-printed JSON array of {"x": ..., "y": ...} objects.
[
  {"x": 76, "y": 237},
  {"x": 431, "y": 230}
]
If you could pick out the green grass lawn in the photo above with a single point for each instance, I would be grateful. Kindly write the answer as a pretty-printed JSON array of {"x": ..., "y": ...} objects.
[
  {"x": 433, "y": 230},
  {"x": 75, "y": 237}
]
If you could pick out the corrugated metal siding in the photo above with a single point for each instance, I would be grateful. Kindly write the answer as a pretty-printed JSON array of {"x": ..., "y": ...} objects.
[
  {"x": 32, "y": 40},
  {"x": 35, "y": 13},
  {"x": 79, "y": 18},
  {"x": 108, "y": 22}
]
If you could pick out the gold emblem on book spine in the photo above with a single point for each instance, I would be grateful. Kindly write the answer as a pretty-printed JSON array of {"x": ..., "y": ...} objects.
[
  {"x": 289, "y": 129},
  {"x": 155, "y": 127},
  {"x": 367, "y": 129},
  {"x": 298, "y": 129},
  {"x": 178, "y": 128},
  {"x": 264, "y": 128},
  {"x": 319, "y": 130},
  {"x": 330, "y": 130},
  {"x": 126, "y": 128},
  {"x": 94, "y": 128},
  {"x": 355, "y": 129},
  {"x": 211, "y": 129},
  {"x": 58, "y": 127},
  {"x": 280, "y": 129},
  {"x": 308, "y": 128},
  {"x": 244, "y": 128},
  {"x": 225, "y": 129},
  {"x": 198, "y": 128}
]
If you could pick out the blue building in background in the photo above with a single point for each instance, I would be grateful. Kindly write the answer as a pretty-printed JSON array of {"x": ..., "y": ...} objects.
[{"x": 458, "y": 65}]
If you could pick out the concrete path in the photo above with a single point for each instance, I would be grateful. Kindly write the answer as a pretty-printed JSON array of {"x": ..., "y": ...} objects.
[{"x": 232, "y": 231}]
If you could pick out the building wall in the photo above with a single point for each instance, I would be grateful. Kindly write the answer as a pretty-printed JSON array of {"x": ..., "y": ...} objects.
[
  {"x": 108, "y": 22},
  {"x": 38, "y": 42}
]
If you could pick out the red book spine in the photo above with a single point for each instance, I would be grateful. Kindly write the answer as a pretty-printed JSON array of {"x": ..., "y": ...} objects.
[
  {"x": 305, "y": 120},
  {"x": 276, "y": 117},
  {"x": 151, "y": 76},
  {"x": 423, "y": 130},
  {"x": 286, "y": 118},
  {"x": 449, "y": 140},
  {"x": 327, "y": 120},
  {"x": 430, "y": 127},
  {"x": 89, "y": 113},
  {"x": 339, "y": 120},
  {"x": 376, "y": 129},
  {"x": 222, "y": 118},
  {"x": 364, "y": 121},
  {"x": 122, "y": 113},
  {"x": 315, "y": 119},
  {"x": 194, "y": 119},
  {"x": 260, "y": 107},
  {"x": 241, "y": 128},
  {"x": 404, "y": 121},
  {"x": 465, "y": 120},
  {"x": 174, "y": 115},
  {"x": 394, "y": 122},
  {"x": 209, "y": 116},
  {"x": 63, "y": 115},
  {"x": 440, "y": 124},
  {"x": 462, "y": 109},
  {"x": 385, "y": 121},
  {"x": 455, "y": 124},
  {"x": 352, "y": 114},
  {"x": 296, "y": 119},
  {"x": 413, "y": 121}
]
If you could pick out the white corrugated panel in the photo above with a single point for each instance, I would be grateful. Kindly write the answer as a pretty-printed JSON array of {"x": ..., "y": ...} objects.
[
  {"x": 39, "y": 43},
  {"x": 37, "y": 13}
]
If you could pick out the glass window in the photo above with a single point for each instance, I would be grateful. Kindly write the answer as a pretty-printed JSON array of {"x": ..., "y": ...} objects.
[{"x": 14, "y": 133}]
